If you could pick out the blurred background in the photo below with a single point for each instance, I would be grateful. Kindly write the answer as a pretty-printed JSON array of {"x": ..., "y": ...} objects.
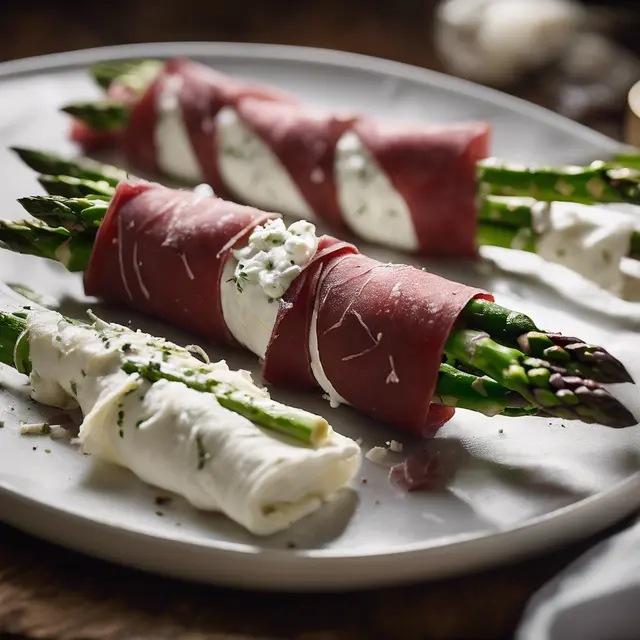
[{"x": 577, "y": 57}]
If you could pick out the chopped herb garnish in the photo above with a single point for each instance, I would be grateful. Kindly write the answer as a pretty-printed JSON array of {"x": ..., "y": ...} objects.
[
  {"x": 121, "y": 423},
  {"x": 1, "y": 424},
  {"x": 47, "y": 450},
  {"x": 83, "y": 372},
  {"x": 203, "y": 454},
  {"x": 162, "y": 500},
  {"x": 58, "y": 339},
  {"x": 74, "y": 388},
  {"x": 188, "y": 372},
  {"x": 126, "y": 347},
  {"x": 159, "y": 513},
  {"x": 139, "y": 423}
]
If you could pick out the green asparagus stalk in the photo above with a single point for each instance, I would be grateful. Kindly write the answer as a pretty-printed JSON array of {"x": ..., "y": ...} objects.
[
  {"x": 74, "y": 214},
  {"x": 598, "y": 182},
  {"x": 542, "y": 383},
  {"x": 567, "y": 361},
  {"x": 617, "y": 180},
  {"x": 569, "y": 356},
  {"x": 265, "y": 412},
  {"x": 135, "y": 75},
  {"x": 507, "y": 222},
  {"x": 70, "y": 187},
  {"x": 454, "y": 387},
  {"x": 32, "y": 237},
  {"x": 481, "y": 315},
  {"x": 104, "y": 115},
  {"x": 54, "y": 165}
]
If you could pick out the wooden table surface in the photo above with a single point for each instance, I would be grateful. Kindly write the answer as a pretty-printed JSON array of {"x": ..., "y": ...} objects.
[{"x": 48, "y": 592}]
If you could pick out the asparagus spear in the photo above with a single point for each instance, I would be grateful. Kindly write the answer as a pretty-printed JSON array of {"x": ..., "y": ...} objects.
[
  {"x": 55, "y": 165},
  {"x": 526, "y": 346},
  {"x": 512, "y": 328},
  {"x": 614, "y": 181},
  {"x": 598, "y": 182},
  {"x": 104, "y": 115},
  {"x": 545, "y": 384},
  {"x": 36, "y": 238},
  {"x": 296, "y": 423},
  {"x": 135, "y": 75},
  {"x": 507, "y": 222},
  {"x": 454, "y": 387}
]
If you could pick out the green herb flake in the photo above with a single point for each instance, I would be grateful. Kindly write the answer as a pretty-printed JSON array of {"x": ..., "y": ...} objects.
[
  {"x": 138, "y": 423},
  {"x": 203, "y": 454},
  {"x": 74, "y": 388},
  {"x": 159, "y": 514},
  {"x": 120, "y": 423},
  {"x": 1, "y": 424},
  {"x": 47, "y": 450},
  {"x": 126, "y": 347},
  {"x": 83, "y": 372}
]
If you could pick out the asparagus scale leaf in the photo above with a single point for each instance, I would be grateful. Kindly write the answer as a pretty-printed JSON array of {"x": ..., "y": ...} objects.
[{"x": 551, "y": 387}]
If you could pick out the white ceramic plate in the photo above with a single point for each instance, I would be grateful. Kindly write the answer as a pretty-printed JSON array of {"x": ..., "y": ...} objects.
[{"x": 532, "y": 487}]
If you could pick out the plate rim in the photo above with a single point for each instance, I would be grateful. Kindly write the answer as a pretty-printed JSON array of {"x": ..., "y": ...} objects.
[
  {"x": 304, "y": 54},
  {"x": 622, "y": 492}
]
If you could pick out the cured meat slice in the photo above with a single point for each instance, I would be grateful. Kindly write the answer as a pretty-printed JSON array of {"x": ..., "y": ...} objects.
[
  {"x": 381, "y": 330},
  {"x": 202, "y": 93},
  {"x": 433, "y": 169},
  {"x": 287, "y": 360},
  {"x": 162, "y": 251},
  {"x": 304, "y": 140}
]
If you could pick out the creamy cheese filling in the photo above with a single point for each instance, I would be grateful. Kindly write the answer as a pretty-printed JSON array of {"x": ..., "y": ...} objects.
[
  {"x": 174, "y": 152},
  {"x": 588, "y": 240},
  {"x": 335, "y": 399},
  {"x": 253, "y": 173},
  {"x": 256, "y": 276},
  {"x": 177, "y": 438},
  {"x": 370, "y": 204}
]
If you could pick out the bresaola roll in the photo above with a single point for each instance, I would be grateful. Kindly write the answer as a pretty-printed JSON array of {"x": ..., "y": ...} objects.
[
  {"x": 408, "y": 186},
  {"x": 162, "y": 251},
  {"x": 370, "y": 334}
]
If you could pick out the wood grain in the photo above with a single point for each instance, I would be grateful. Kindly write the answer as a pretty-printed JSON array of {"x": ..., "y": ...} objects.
[{"x": 49, "y": 592}]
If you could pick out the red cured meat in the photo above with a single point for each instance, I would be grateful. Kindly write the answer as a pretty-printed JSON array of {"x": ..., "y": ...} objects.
[
  {"x": 381, "y": 330},
  {"x": 433, "y": 168},
  {"x": 287, "y": 362},
  {"x": 162, "y": 251},
  {"x": 91, "y": 140},
  {"x": 304, "y": 140},
  {"x": 202, "y": 93}
]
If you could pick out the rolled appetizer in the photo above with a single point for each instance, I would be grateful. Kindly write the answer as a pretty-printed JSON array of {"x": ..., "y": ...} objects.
[
  {"x": 398, "y": 343},
  {"x": 399, "y": 185},
  {"x": 195, "y": 428},
  {"x": 601, "y": 245}
]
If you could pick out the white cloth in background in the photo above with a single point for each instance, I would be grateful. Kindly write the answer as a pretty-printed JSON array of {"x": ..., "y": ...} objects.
[{"x": 597, "y": 597}]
